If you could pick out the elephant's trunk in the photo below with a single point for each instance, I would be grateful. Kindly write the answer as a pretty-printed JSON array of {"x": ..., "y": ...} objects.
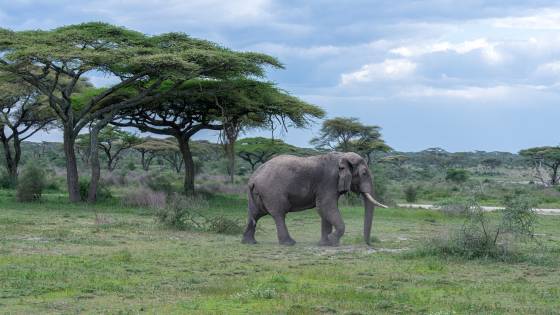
[{"x": 369, "y": 206}]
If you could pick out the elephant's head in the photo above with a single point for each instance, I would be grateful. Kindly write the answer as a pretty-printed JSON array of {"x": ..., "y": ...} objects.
[{"x": 354, "y": 175}]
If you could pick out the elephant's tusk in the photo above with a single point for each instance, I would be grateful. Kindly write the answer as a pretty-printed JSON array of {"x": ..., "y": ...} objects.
[{"x": 375, "y": 202}]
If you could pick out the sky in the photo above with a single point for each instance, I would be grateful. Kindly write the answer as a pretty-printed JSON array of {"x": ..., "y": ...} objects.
[{"x": 460, "y": 75}]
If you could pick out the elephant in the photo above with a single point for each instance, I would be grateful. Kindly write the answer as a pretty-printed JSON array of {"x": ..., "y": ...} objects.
[{"x": 288, "y": 183}]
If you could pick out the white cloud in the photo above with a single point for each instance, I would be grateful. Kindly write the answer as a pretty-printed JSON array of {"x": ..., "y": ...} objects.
[
  {"x": 390, "y": 69},
  {"x": 283, "y": 50},
  {"x": 548, "y": 19},
  {"x": 487, "y": 49},
  {"x": 550, "y": 68},
  {"x": 468, "y": 92}
]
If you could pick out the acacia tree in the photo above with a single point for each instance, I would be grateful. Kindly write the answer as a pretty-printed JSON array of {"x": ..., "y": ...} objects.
[
  {"x": 22, "y": 114},
  {"x": 546, "y": 162},
  {"x": 259, "y": 150},
  {"x": 398, "y": 160},
  {"x": 338, "y": 134},
  {"x": 203, "y": 104},
  {"x": 148, "y": 148},
  {"x": 170, "y": 152},
  {"x": 246, "y": 104},
  {"x": 349, "y": 134},
  {"x": 66, "y": 54},
  {"x": 113, "y": 142},
  {"x": 369, "y": 142},
  {"x": 491, "y": 163}
]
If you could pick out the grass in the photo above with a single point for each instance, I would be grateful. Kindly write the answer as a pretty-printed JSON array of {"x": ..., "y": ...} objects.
[{"x": 56, "y": 257}]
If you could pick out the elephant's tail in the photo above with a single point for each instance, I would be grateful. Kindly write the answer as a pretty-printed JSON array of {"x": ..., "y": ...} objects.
[{"x": 255, "y": 201}]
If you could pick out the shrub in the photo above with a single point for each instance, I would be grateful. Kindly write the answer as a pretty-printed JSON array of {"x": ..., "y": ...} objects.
[
  {"x": 410, "y": 193},
  {"x": 130, "y": 166},
  {"x": 103, "y": 193},
  {"x": 485, "y": 236},
  {"x": 30, "y": 184},
  {"x": 145, "y": 197},
  {"x": 519, "y": 216},
  {"x": 113, "y": 178},
  {"x": 183, "y": 213},
  {"x": 380, "y": 185},
  {"x": 5, "y": 181},
  {"x": 159, "y": 182},
  {"x": 223, "y": 225},
  {"x": 457, "y": 175}
]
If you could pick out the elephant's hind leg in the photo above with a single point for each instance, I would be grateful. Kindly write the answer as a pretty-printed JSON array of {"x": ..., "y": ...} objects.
[
  {"x": 254, "y": 213},
  {"x": 249, "y": 235}
]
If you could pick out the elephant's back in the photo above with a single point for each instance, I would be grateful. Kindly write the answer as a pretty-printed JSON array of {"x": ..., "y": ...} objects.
[{"x": 284, "y": 169}]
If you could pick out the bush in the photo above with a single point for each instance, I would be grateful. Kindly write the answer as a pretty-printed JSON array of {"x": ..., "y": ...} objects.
[
  {"x": 30, "y": 184},
  {"x": 5, "y": 181},
  {"x": 130, "y": 166},
  {"x": 183, "y": 213},
  {"x": 159, "y": 182},
  {"x": 223, "y": 225},
  {"x": 410, "y": 193},
  {"x": 485, "y": 236},
  {"x": 380, "y": 184},
  {"x": 145, "y": 197},
  {"x": 457, "y": 175},
  {"x": 103, "y": 193}
]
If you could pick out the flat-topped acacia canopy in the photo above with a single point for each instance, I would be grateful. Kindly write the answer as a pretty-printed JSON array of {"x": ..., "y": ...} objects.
[{"x": 53, "y": 61}]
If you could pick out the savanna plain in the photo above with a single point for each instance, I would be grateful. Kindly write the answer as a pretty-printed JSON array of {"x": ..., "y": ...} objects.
[{"x": 60, "y": 258}]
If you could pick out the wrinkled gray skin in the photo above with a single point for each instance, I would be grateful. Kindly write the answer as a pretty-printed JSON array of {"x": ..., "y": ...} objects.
[{"x": 288, "y": 183}]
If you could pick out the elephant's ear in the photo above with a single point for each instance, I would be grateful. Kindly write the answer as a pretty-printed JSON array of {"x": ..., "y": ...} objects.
[{"x": 344, "y": 176}]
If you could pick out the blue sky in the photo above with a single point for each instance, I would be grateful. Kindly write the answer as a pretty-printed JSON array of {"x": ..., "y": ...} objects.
[{"x": 461, "y": 75}]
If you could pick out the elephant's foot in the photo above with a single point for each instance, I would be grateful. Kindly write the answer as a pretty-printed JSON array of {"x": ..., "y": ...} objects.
[
  {"x": 287, "y": 242},
  {"x": 333, "y": 240},
  {"x": 248, "y": 240},
  {"x": 325, "y": 242}
]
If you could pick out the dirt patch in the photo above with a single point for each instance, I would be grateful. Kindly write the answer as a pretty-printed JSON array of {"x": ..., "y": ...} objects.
[{"x": 352, "y": 249}]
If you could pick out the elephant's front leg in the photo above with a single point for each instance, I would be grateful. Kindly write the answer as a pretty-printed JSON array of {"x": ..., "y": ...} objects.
[
  {"x": 326, "y": 229},
  {"x": 284, "y": 237},
  {"x": 334, "y": 217}
]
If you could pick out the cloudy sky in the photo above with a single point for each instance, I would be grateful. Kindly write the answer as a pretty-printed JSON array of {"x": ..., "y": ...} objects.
[{"x": 461, "y": 75}]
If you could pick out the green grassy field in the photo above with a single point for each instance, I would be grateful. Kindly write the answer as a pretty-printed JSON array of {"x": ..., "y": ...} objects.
[{"x": 57, "y": 257}]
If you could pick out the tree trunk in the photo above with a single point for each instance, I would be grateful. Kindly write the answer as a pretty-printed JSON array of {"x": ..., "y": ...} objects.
[
  {"x": 15, "y": 160},
  {"x": 229, "y": 136},
  {"x": 110, "y": 165},
  {"x": 10, "y": 167},
  {"x": 148, "y": 161},
  {"x": 230, "y": 154},
  {"x": 554, "y": 177},
  {"x": 72, "y": 179},
  {"x": 94, "y": 163},
  {"x": 12, "y": 158},
  {"x": 188, "y": 185},
  {"x": 143, "y": 160}
]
